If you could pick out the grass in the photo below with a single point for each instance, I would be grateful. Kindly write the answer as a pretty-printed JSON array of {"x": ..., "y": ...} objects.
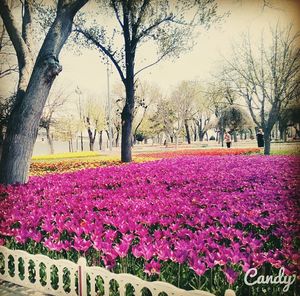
[{"x": 67, "y": 155}]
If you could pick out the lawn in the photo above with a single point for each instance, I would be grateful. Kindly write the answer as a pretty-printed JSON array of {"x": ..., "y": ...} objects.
[{"x": 196, "y": 222}]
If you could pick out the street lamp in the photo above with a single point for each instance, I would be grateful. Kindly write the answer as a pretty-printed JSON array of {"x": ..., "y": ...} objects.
[
  {"x": 78, "y": 91},
  {"x": 109, "y": 109}
]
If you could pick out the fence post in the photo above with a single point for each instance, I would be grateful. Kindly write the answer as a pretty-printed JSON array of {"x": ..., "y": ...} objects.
[
  {"x": 82, "y": 287},
  {"x": 229, "y": 293}
]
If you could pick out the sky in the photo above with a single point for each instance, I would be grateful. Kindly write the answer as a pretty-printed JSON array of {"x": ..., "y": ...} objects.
[
  {"x": 205, "y": 59},
  {"x": 201, "y": 63}
]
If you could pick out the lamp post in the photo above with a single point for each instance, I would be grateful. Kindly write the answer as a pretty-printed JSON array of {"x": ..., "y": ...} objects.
[
  {"x": 109, "y": 109},
  {"x": 78, "y": 91}
]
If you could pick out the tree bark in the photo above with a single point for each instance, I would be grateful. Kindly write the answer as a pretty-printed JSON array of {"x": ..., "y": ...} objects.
[
  {"x": 188, "y": 136},
  {"x": 100, "y": 140},
  {"x": 267, "y": 140},
  {"x": 25, "y": 117},
  {"x": 127, "y": 118}
]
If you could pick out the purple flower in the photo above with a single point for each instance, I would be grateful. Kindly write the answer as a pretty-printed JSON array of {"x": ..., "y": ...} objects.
[{"x": 152, "y": 268}]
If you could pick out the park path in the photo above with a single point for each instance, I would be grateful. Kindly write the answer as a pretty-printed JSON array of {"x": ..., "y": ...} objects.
[{"x": 9, "y": 289}]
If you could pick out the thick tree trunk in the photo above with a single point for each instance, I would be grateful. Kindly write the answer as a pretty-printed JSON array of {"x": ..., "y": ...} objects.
[
  {"x": 128, "y": 110},
  {"x": 187, "y": 130},
  {"x": 25, "y": 117},
  {"x": 267, "y": 140},
  {"x": 127, "y": 117},
  {"x": 1, "y": 139}
]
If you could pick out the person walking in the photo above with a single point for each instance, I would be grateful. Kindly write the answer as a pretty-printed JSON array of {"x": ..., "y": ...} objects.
[
  {"x": 227, "y": 138},
  {"x": 260, "y": 138}
]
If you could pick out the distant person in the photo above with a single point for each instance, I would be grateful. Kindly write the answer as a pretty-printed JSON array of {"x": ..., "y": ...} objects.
[
  {"x": 227, "y": 138},
  {"x": 260, "y": 138}
]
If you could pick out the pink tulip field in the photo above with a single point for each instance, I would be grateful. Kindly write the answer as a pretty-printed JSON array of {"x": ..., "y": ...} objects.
[{"x": 195, "y": 222}]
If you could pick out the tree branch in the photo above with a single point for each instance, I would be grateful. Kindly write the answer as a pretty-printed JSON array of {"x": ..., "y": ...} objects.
[
  {"x": 27, "y": 24},
  {"x": 115, "y": 8},
  {"x": 14, "y": 34},
  {"x": 149, "y": 29},
  {"x": 89, "y": 37},
  {"x": 152, "y": 64}
]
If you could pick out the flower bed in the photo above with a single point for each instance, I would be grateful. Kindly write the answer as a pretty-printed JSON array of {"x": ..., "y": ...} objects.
[
  {"x": 65, "y": 166},
  {"x": 56, "y": 156},
  {"x": 42, "y": 168},
  {"x": 198, "y": 222},
  {"x": 201, "y": 152}
]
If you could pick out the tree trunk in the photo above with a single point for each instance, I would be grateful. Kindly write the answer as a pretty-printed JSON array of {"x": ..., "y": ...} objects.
[
  {"x": 206, "y": 134},
  {"x": 1, "y": 139},
  {"x": 49, "y": 139},
  {"x": 267, "y": 140},
  {"x": 91, "y": 139},
  {"x": 117, "y": 138},
  {"x": 128, "y": 110},
  {"x": 188, "y": 136},
  {"x": 195, "y": 133},
  {"x": 24, "y": 121},
  {"x": 100, "y": 140},
  {"x": 235, "y": 137},
  {"x": 127, "y": 117}
]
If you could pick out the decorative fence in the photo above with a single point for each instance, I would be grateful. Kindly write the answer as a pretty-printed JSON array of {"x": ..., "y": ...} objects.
[{"x": 63, "y": 277}]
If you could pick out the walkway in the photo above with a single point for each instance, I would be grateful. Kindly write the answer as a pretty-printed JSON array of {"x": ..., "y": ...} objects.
[{"x": 9, "y": 289}]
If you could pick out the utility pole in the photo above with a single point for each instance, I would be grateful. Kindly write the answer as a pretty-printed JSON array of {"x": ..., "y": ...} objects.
[
  {"x": 109, "y": 110},
  {"x": 78, "y": 91}
]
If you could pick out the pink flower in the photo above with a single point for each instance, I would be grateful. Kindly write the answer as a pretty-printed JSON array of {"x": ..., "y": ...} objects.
[
  {"x": 231, "y": 275},
  {"x": 122, "y": 248},
  {"x": 152, "y": 268},
  {"x": 81, "y": 244}
]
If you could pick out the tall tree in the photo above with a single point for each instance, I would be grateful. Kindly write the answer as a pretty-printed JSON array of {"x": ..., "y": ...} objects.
[
  {"x": 169, "y": 24},
  {"x": 94, "y": 118},
  {"x": 35, "y": 80},
  {"x": 53, "y": 104},
  {"x": 184, "y": 96},
  {"x": 267, "y": 77}
]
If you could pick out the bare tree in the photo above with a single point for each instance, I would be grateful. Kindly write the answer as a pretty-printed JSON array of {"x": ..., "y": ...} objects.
[
  {"x": 164, "y": 119},
  {"x": 145, "y": 96},
  {"x": 36, "y": 76},
  {"x": 94, "y": 120},
  {"x": 55, "y": 101},
  {"x": 169, "y": 24},
  {"x": 184, "y": 98},
  {"x": 66, "y": 129},
  {"x": 267, "y": 77}
]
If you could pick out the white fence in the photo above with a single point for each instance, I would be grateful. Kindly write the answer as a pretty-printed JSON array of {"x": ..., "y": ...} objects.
[{"x": 39, "y": 272}]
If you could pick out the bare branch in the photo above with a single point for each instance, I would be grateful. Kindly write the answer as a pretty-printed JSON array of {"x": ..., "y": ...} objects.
[
  {"x": 87, "y": 35},
  {"x": 14, "y": 34}
]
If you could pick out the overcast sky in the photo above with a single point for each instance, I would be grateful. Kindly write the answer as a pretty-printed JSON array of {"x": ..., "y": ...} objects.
[
  {"x": 199, "y": 63},
  {"x": 89, "y": 74}
]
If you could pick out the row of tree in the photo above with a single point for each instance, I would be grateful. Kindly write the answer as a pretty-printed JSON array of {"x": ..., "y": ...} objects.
[
  {"x": 265, "y": 77},
  {"x": 188, "y": 112}
]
